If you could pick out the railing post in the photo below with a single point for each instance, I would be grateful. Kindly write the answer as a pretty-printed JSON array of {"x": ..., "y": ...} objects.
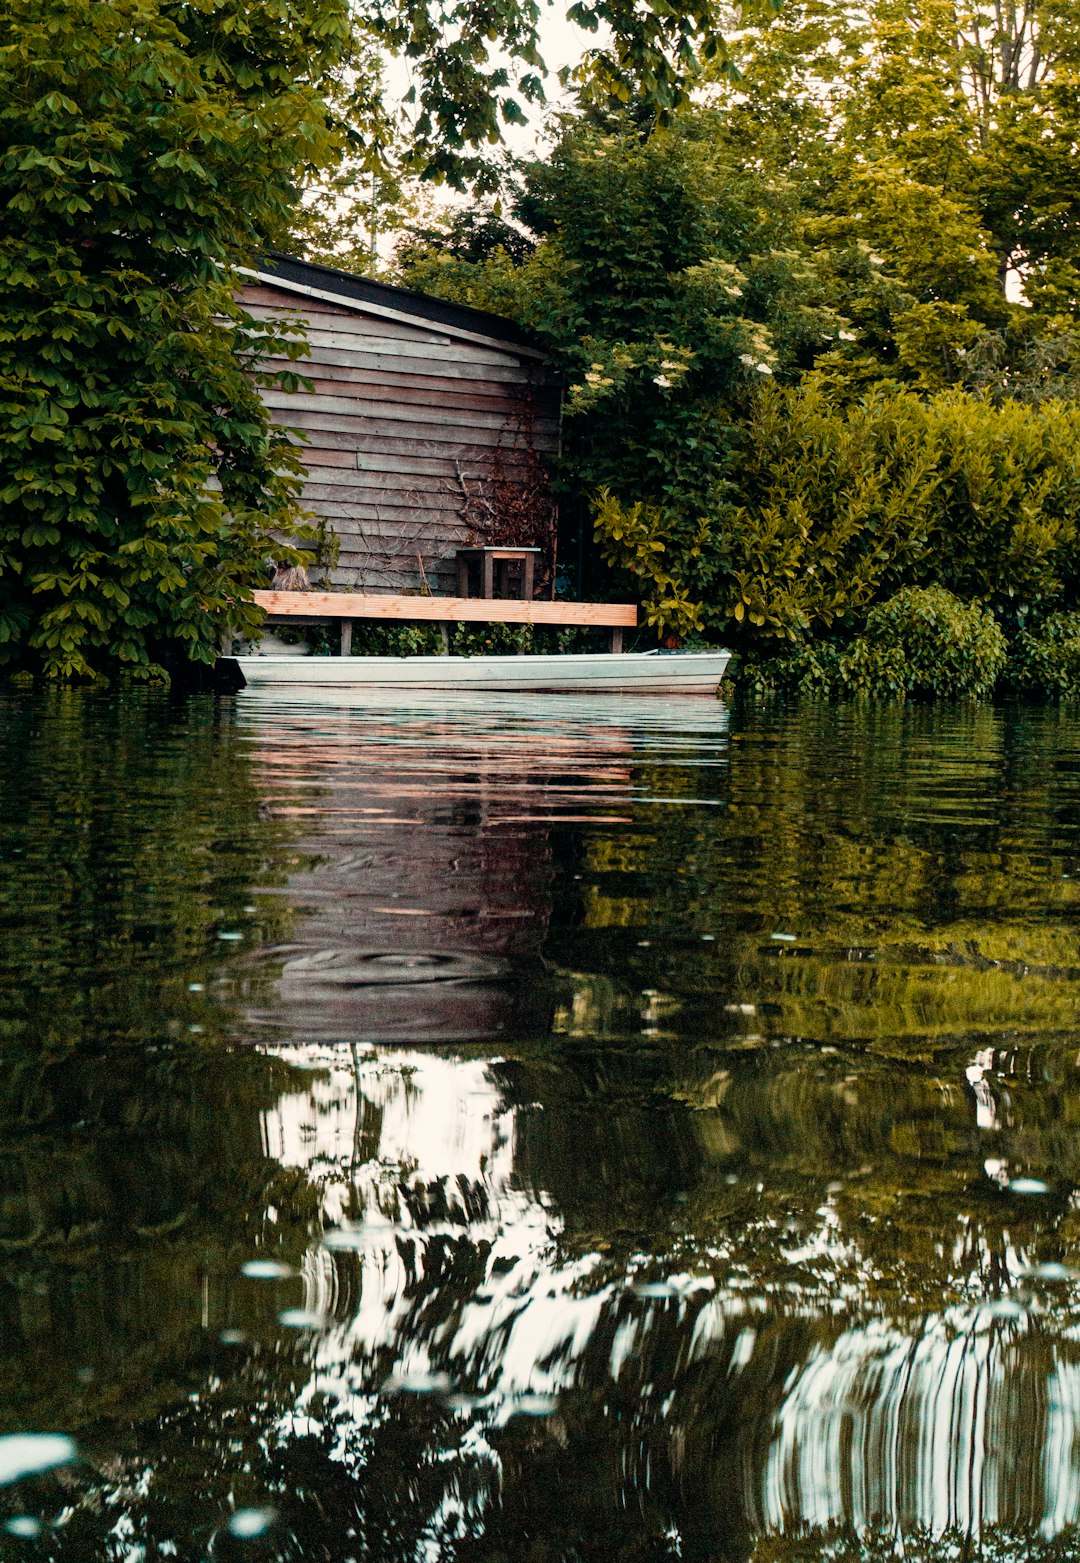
[
  {"x": 346, "y": 637},
  {"x": 616, "y": 638}
]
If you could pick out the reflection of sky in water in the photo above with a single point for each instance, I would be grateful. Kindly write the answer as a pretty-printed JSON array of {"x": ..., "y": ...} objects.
[
  {"x": 442, "y": 1122},
  {"x": 914, "y": 1424},
  {"x": 438, "y": 1118},
  {"x": 920, "y": 1428}
]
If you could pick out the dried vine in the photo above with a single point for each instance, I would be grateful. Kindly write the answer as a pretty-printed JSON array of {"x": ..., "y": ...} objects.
[{"x": 511, "y": 505}]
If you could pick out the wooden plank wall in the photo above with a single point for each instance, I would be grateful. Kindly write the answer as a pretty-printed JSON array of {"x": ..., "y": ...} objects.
[{"x": 406, "y": 430}]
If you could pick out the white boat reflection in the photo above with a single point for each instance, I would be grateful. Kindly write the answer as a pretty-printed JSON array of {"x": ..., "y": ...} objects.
[{"x": 591, "y": 711}]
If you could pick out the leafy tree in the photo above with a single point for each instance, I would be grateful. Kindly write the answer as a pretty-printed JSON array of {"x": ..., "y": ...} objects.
[
  {"x": 369, "y": 182},
  {"x": 666, "y": 286},
  {"x": 465, "y": 89},
  {"x": 146, "y": 147},
  {"x": 677, "y": 292},
  {"x": 472, "y": 234},
  {"x": 936, "y": 136}
]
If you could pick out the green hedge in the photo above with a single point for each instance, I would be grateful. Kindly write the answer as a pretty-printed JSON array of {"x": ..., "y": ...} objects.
[
  {"x": 1045, "y": 659},
  {"x": 926, "y": 642},
  {"x": 922, "y": 643},
  {"x": 831, "y": 509}
]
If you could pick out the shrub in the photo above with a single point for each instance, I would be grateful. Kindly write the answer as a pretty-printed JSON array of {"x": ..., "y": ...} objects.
[
  {"x": 813, "y": 669},
  {"x": 374, "y": 639},
  {"x": 1006, "y": 504},
  {"x": 491, "y": 640},
  {"x": 833, "y": 508},
  {"x": 1045, "y": 660},
  {"x": 921, "y": 642},
  {"x": 663, "y": 551},
  {"x": 925, "y": 641},
  {"x": 840, "y": 506}
]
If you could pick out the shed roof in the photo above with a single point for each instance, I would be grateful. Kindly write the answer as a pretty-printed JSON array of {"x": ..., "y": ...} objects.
[{"x": 383, "y": 298}]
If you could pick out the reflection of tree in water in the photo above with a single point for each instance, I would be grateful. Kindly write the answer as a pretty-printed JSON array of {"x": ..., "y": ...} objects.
[
  {"x": 709, "y": 1257},
  {"x": 131, "y": 843},
  {"x": 481, "y": 1380},
  {"x": 131, "y": 1162},
  {"x": 923, "y": 863}
]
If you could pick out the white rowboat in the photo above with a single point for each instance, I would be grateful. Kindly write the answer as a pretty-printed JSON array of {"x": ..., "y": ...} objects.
[{"x": 632, "y": 672}]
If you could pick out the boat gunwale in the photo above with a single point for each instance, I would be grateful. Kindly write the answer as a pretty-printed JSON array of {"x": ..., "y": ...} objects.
[
  {"x": 584, "y": 673},
  {"x": 607, "y": 659}
]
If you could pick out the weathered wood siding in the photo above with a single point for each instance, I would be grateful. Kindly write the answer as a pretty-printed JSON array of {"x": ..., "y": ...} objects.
[{"x": 408, "y": 432}]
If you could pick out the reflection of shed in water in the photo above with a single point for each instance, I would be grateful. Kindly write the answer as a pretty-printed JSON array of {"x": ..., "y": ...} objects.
[{"x": 423, "y": 902}]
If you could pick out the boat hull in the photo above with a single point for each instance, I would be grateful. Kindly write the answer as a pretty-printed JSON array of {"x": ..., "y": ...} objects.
[{"x": 662, "y": 673}]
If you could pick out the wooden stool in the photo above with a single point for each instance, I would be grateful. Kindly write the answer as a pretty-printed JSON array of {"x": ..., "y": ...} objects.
[{"x": 495, "y": 566}]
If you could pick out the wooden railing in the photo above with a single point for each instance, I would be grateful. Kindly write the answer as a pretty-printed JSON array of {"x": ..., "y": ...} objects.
[{"x": 317, "y": 607}]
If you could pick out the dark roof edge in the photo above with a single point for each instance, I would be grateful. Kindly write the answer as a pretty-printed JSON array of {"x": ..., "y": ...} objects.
[{"x": 365, "y": 290}]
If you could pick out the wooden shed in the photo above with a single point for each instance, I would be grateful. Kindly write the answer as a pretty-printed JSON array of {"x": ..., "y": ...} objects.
[{"x": 427, "y": 429}]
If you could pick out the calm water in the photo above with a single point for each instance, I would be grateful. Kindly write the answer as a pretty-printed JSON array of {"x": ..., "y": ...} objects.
[{"x": 537, "y": 1131}]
